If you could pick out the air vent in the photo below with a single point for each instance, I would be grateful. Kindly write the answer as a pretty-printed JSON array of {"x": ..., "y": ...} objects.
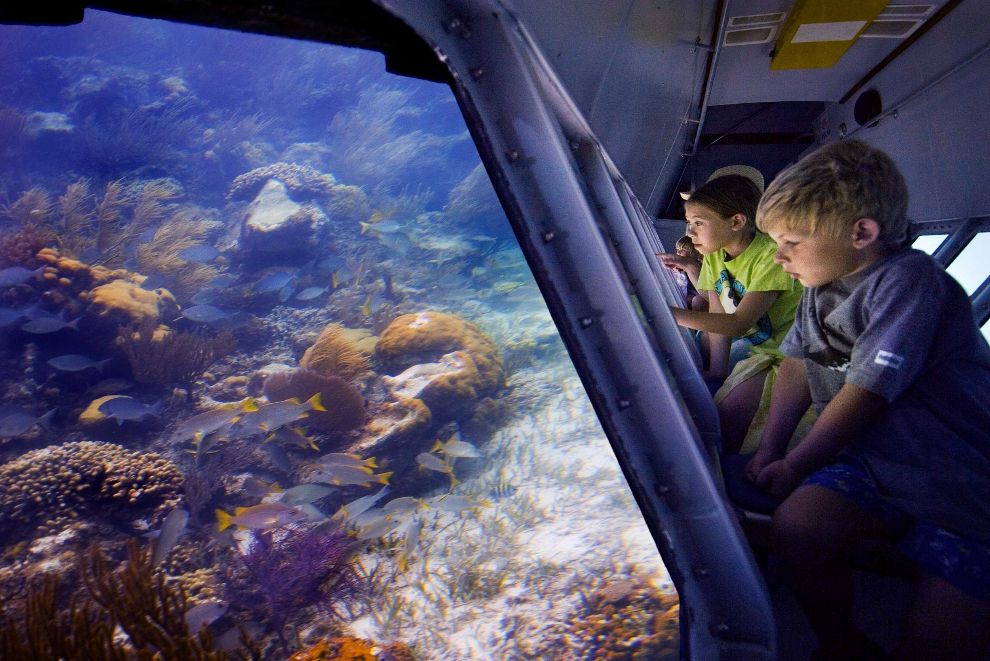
[
  {"x": 890, "y": 29},
  {"x": 755, "y": 19},
  {"x": 748, "y": 36},
  {"x": 905, "y": 11}
]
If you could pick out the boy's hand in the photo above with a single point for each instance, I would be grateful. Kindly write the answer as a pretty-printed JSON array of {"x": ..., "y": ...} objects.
[
  {"x": 760, "y": 460},
  {"x": 778, "y": 478}
]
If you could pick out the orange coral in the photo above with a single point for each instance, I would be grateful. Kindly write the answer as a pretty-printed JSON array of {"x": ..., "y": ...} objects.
[
  {"x": 133, "y": 304},
  {"x": 347, "y": 648},
  {"x": 336, "y": 353},
  {"x": 425, "y": 336}
]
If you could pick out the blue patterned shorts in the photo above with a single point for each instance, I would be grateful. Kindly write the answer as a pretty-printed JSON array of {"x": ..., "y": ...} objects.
[{"x": 960, "y": 561}]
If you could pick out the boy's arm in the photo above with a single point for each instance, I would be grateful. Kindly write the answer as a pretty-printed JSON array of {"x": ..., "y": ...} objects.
[
  {"x": 850, "y": 412},
  {"x": 790, "y": 399},
  {"x": 752, "y": 306}
]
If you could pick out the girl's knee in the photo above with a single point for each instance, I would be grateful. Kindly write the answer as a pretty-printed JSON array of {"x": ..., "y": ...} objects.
[{"x": 800, "y": 532}]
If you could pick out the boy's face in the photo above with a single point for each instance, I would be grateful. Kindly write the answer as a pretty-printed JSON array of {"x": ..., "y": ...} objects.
[
  {"x": 814, "y": 260},
  {"x": 708, "y": 231}
]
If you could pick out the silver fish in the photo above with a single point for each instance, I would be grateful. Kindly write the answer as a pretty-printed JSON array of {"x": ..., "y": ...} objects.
[
  {"x": 172, "y": 528},
  {"x": 310, "y": 293},
  {"x": 260, "y": 517},
  {"x": 305, "y": 493},
  {"x": 270, "y": 417},
  {"x": 45, "y": 325},
  {"x": 15, "y": 275},
  {"x": 204, "y": 314},
  {"x": 204, "y": 614},
  {"x": 357, "y": 507},
  {"x": 74, "y": 362},
  {"x": 199, "y": 253},
  {"x": 127, "y": 408},
  {"x": 18, "y": 422}
]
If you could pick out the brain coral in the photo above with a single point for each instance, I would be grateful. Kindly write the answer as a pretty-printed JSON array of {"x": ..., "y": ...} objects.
[
  {"x": 76, "y": 478},
  {"x": 297, "y": 178},
  {"x": 425, "y": 337}
]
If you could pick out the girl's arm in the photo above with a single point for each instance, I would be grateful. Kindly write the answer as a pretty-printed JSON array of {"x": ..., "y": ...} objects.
[
  {"x": 849, "y": 413},
  {"x": 752, "y": 306},
  {"x": 790, "y": 399},
  {"x": 718, "y": 345},
  {"x": 674, "y": 261}
]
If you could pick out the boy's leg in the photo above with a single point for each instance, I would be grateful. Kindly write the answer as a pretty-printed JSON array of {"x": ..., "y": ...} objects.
[
  {"x": 812, "y": 532},
  {"x": 950, "y": 617},
  {"x": 944, "y": 623},
  {"x": 736, "y": 411}
]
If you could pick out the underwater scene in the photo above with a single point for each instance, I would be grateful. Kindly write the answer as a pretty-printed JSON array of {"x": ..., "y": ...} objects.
[{"x": 275, "y": 379}]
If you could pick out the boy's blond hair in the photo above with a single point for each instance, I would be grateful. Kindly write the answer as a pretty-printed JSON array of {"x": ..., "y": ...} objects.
[{"x": 830, "y": 189}]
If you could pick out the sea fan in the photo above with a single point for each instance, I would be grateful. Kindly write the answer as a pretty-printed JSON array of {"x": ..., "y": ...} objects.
[{"x": 294, "y": 568}]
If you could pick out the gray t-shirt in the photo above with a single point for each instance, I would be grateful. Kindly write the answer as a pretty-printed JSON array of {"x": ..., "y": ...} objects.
[{"x": 904, "y": 329}]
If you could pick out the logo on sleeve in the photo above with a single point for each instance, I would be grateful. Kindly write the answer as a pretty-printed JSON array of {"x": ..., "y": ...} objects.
[{"x": 888, "y": 359}]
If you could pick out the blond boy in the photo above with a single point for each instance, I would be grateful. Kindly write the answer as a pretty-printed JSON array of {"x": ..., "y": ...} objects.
[{"x": 886, "y": 347}]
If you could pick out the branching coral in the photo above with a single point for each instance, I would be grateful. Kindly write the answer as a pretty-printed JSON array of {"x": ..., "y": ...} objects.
[
  {"x": 162, "y": 356},
  {"x": 294, "y": 568},
  {"x": 33, "y": 207},
  {"x": 344, "y": 403},
  {"x": 73, "y": 478},
  {"x": 162, "y": 254},
  {"x": 336, "y": 352},
  {"x": 19, "y": 247}
]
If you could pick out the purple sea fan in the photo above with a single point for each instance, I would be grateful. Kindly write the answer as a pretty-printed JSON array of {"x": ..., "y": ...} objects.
[{"x": 293, "y": 568}]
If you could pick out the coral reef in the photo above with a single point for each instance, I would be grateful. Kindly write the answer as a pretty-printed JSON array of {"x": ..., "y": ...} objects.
[
  {"x": 397, "y": 422},
  {"x": 344, "y": 403},
  {"x": 20, "y": 247},
  {"x": 338, "y": 351},
  {"x": 353, "y": 649},
  {"x": 276, "y": 227},
  {"x": 425, "y": 336},
  {"x": 626, "y": 620},
  {"x": 295, "y": 568},
  {"x": 297, "y": 178},
  {"x": 161, "y": 356},
  {"x": 448, "y": 362},
  {"x": 162, "y": 255},
  {"x": 85, "y": 477},
  {"x": 92, "y": 415},
  {"x": 33, "y": 207},
  {"x": 112, "y": 297}
]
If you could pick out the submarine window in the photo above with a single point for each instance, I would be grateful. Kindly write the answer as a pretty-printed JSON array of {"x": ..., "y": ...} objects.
[
  {"x": 971, "y": 267},
  {"x": 929, "y": 243},
  {"x": 209, "y": 237}
]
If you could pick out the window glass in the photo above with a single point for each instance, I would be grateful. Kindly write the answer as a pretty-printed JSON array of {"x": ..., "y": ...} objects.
[
  {"x": 929, "y": 242},
  {"x": 971, "y": 266},
  {"x": 263, "y": 314}
]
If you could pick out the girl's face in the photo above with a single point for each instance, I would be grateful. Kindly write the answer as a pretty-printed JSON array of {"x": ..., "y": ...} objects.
[{"x": 709, "y": 232}]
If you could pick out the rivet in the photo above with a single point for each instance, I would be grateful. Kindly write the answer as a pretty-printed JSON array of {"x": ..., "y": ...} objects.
[
  {"x": 624, "y": 404},
  {"x": 721, "y": 628},
  {"x": 585, "y": 321},
  {"x": 548, "y": 237},
  {"x": 476, "y": 72},
  {"x": 702, "y": 573},
  {"x": 663, "y": 489},
  {"x": 512, "y": 155}
]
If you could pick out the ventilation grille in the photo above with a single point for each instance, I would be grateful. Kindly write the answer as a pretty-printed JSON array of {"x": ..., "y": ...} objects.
[
  {"x": 897, "y": 29},
  {"x": 748, "y": 36},
  {"x": 904, "y": 11},
  {"x": 755, "y": 19}
]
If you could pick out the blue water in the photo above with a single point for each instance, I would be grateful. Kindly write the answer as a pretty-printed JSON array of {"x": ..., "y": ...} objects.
[{"x": 186, "y": 216}]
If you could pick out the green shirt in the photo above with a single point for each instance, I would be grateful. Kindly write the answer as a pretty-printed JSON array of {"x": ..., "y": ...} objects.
[{"x": 754, "y": 270}]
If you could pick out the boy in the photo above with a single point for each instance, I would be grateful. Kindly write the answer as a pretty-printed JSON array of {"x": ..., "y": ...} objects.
[
  {"x": 749, "y": 297},
  {"x": 886, "y": 347}
]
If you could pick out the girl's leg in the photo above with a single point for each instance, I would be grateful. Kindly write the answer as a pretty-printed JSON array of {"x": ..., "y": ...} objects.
[
  {"x": 812, "y": 532},
  {"x": 736, "y": 411}
]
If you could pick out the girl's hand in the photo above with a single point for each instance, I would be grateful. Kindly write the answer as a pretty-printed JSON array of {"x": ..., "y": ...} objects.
[
  {"x": 778, "y": 478},
  {"x": 674, "y": 261}
]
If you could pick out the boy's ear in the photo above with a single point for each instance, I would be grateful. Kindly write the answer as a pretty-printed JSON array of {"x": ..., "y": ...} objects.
[{"x": 865, "y": 232}]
